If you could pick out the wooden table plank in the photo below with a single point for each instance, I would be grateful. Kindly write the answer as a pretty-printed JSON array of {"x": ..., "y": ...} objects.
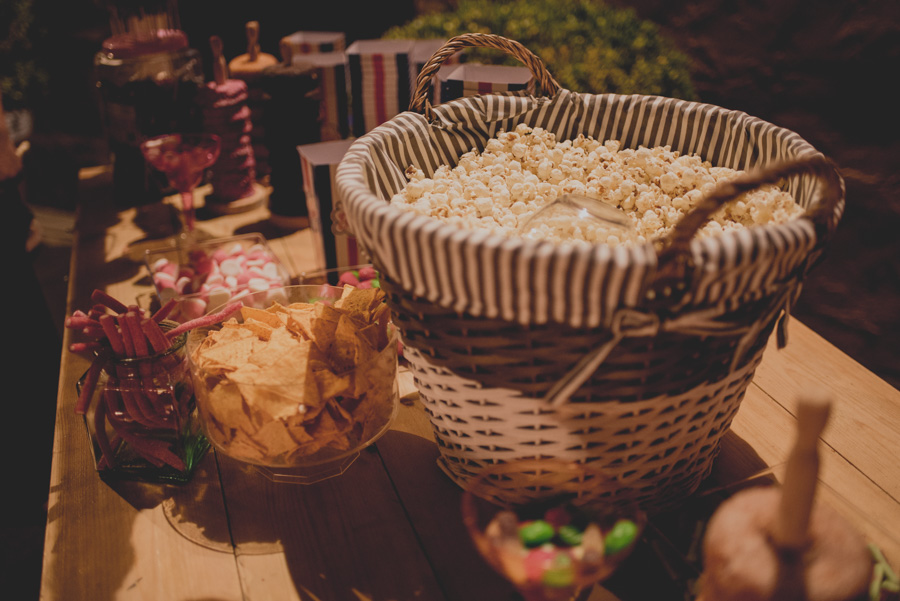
[
  {"x": 762, "y": 435},
  {"x": 865, "y": 422},
  {"x": 336, "y": 536}
]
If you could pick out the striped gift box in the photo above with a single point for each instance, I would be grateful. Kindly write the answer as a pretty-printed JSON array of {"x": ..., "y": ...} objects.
[
  {"x": 318, "y": 164},
  {"x": 473, "y": 79},
  {"x": 380, "y": 81},
  {"x": 314, "y": 42},
  {"x": 334, "y": 114}
]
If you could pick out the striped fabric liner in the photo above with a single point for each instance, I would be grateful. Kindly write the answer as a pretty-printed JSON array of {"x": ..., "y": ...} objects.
[
  {"x": 318, "y": 165},
  {"x": 380, "y": 87},
  {"x": 533, "y": 282}
]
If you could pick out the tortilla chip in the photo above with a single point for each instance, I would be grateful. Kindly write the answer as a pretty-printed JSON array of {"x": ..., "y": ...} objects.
[{"x": 262, "y": 315}]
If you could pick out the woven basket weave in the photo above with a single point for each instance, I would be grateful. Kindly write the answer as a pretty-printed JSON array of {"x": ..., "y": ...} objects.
[{"x": 633, "y": 357}]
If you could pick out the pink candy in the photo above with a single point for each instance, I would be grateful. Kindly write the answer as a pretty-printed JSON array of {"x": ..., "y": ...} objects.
[{"x": 213, "y": 279}]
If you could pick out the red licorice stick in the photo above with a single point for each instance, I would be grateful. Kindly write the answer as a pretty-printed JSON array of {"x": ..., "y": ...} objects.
[
  {"x": 106, "y": 451},
  {"x": 87, "y": 389},
  {"x": 133, "y": 440},
  {"x": 165, "y": 310},
  {"x": 126, "y": 336},
  {"x": 154, "y": 451},
  {"x": 93, "y": 332},
  {"x": 160, "y": 405},
  {"x": 206, "y": 320},
  {"x": 79, "y": 320},
  {"x": 155, "y": 336},
  {"x": 133, "y": 407},
  {"x": 96, "y": 311},
  {"x": 103, "y": 463},
  {"x": 133, "y": 323},
  {"x": 102, "y": 298},
  {"x": 80, "y": 347},
  {"x": 108, "y": 323}
]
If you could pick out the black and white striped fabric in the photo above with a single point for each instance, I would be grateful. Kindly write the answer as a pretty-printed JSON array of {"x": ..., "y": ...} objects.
[{"x": 532, "y": 282}]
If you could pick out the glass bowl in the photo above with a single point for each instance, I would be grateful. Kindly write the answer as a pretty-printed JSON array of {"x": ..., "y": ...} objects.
[
  {"x": 300, "y": 406},
  {"x": 212, "y": 273},
  {"x": 551, "y": 527},
  {"x": 333, "y": 276}
]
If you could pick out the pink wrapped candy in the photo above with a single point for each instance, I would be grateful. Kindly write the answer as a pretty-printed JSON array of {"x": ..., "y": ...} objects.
[{"x": 216, "y": 273}]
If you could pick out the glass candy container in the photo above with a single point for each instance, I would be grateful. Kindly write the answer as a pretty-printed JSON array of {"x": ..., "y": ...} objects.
[{"x": 142, "y": 419}]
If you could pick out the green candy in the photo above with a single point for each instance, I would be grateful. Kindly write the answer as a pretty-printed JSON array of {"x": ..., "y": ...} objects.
[
  {"x": 560, "y": 574},
  {"x": 570, "y": 535},
  {"x": 536, "y": 533},
  {"x": 622, "y": 536}
]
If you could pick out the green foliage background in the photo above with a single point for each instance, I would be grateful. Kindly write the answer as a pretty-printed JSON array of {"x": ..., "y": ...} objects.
[
  {"x": 22, "y": 76},
  {"x": 585, "y": 44}
]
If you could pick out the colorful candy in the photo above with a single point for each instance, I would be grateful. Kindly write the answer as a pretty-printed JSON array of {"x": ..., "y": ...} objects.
[
  {"x": 558, "y": 548},
  {"x": 364, "y": 277},
  {"x": 214, "y": 277}
]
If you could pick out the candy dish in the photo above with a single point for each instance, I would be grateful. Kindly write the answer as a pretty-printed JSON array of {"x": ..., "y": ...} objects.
[
  {"x": 298, "y": 389},
  {"x": 551, "y": 527},
  {"x": 212, "y": 273},
  {"x": 351, "y": 274}
]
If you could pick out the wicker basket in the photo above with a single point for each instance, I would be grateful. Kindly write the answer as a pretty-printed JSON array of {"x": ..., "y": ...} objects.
[{"x": 636, "y": 358}]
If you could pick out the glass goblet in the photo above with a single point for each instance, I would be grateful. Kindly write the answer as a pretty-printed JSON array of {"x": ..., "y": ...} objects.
[
  {"x": 551, "y": 527},
  {"x": 183, "y": 158}
]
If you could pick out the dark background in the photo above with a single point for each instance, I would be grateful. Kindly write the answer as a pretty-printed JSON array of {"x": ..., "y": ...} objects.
[{"x": 826, "y": 70}]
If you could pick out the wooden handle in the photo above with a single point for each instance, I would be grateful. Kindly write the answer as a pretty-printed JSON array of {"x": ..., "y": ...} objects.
[
  {"x": 801, "y": 478},
  {"x": 220, "y": 67},
  {"x": 674, "y": 251},
  {"x": 287, "y": 52},
  {"x": 253, "y": 40},
  {"x": 542, "y": 78}
]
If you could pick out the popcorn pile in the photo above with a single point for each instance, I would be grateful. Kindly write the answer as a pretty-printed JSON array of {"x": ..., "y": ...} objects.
[{"x": 519, "y": 172}]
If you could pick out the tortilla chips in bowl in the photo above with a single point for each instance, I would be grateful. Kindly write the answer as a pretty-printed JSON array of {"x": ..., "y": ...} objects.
[{"x": 298, "y": 389}]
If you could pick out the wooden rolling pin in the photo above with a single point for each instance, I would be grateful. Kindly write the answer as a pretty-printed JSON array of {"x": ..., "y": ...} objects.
[
  {"x": 220, "y": 67},
  {"x": 248, "y": 65},
  {"x": 770, "y": 543}
]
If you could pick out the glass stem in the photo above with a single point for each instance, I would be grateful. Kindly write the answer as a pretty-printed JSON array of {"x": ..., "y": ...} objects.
[{"x": 187, "y": 209}]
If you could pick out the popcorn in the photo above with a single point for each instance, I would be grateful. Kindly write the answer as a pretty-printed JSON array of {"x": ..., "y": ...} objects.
[{"x": 521, "y": 171}]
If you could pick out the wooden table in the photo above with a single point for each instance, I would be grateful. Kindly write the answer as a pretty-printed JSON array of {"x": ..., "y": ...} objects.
[{"x": 390, "y": 527}]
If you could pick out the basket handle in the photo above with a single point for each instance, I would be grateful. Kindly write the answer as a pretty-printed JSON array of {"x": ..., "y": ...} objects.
[
  {"x": 674, "y": 253},
  {"x": 420, "y": 100}
]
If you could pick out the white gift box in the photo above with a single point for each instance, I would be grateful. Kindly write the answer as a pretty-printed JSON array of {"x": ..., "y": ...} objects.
[{"x": 313, "y": 42}]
